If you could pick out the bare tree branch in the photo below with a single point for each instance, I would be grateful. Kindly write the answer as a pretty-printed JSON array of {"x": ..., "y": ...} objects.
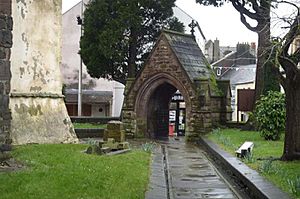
[
  {"x": 255, "y": 6},
  {"x": 244, "y": 21},
  {"x": 292, "y": 34},
  {"x": 282, "y": 79},
  {"x": 287, "y": 2},
  {"x": 288, "y": 64},
  {"x": 240, "y": 7},
  {"x": 296, "y": 55}
]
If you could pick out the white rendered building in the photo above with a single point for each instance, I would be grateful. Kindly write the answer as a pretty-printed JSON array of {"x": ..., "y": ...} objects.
[{"x": 71, "y": 63}]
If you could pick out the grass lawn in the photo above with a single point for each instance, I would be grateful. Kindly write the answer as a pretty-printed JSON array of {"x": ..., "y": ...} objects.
[
  {"x": 88, "y": 125},
  {"x": 285, "y": 175},
  {"x": 63, "y": 171}
]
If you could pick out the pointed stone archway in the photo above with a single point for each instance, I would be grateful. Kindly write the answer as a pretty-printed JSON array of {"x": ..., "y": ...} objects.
[
  {"x": 175, "y": 63},
  {"x": 152, "y": 103}
]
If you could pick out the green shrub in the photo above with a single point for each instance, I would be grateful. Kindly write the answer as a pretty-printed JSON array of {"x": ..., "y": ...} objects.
[{"x": 270, "y": 115}]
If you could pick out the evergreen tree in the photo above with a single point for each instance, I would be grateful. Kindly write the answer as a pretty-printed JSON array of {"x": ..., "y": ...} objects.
[{"x": 118, "y": 35}]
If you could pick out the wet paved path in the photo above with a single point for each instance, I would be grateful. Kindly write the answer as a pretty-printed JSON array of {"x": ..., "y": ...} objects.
[{"x": 189, "y": 174}]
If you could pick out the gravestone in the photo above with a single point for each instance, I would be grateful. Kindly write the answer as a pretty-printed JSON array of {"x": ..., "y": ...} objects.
[{"x": 114, "y": 130}]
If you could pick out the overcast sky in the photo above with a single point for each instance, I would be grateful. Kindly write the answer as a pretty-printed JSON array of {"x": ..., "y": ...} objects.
[{"x": 221, "y": 23}]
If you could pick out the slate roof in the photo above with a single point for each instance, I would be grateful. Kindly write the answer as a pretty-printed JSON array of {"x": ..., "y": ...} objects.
[
  {"x": 89, "y": 96},
  {"x": 189, "y": 54},
  {"x": 243, "y": 74}
]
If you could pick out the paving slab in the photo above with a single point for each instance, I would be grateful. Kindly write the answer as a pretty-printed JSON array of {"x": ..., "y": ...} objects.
[{"x": 192, "y": 175}]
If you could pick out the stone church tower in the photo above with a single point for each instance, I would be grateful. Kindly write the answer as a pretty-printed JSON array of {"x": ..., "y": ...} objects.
[{"x": 38, "y": 112}]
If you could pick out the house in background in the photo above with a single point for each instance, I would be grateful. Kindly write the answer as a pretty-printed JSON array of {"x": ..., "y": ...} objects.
[
  {"x": 240, "y": 68},
  {"x": 296, "y": 44},
  {"x": 94, "y": 103},
  {"x": 214, "y": 52},
  {"x": 98, "y": 94},
  {"x": 242, "y": 77}
]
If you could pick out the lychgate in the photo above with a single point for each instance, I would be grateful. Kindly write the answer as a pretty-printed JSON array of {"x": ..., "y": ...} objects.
[{"x": 176, "y": 63}]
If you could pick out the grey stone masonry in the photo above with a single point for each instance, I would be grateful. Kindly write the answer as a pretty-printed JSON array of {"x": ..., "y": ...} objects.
[{"x": 6, "y": 24}]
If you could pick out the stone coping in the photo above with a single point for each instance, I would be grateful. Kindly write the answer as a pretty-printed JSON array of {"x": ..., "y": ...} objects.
[
  {"x": 91, "y": 119},
  {"x": 257, "y": 186}
]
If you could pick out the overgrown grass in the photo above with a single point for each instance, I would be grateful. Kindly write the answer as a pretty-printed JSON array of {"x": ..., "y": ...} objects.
[
  {"x": 88, "y": 125},
  {"x": 63, "y": 171},
  {"x": 282, "y": 174}
]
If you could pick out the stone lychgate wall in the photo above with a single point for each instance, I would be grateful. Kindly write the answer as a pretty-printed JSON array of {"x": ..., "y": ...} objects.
[{"x": 6, "y": 25}]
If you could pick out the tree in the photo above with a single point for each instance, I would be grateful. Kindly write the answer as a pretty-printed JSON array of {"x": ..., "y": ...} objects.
[
  {"x": 174, "y": 24},
  {"x": 259, "y": 11},
  {"x": 290, "y": 80},
  {"x": 118, "y": 35}
]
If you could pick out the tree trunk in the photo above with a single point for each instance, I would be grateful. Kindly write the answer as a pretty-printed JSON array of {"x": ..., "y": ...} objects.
[
  {"x": 292, "y": 129},
  {"x": 263, "y": 47},
  {"x": 271, "y": 79},
  {"x": 132, "y": 53}
]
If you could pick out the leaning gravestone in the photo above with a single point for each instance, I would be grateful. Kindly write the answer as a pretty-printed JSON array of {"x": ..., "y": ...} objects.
[
  {"x": 114, "y": 130},
  {"x": 114, "y": 141}
]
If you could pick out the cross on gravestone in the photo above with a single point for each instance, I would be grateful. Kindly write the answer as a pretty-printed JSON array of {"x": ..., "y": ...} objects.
[{"x": 192, "y": 26}]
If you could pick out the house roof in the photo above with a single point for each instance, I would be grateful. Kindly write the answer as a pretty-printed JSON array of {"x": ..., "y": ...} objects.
[
  {"x": 189, "y": 54},
  {"x": 89, "y": 96},
  {"x": 226, "y": 61},
  {"x": 241, "y": 74},
  {"x": 208, "y": 44}
]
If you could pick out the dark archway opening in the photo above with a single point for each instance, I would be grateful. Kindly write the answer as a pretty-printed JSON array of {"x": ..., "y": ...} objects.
[{"x": 158, "y": 118}]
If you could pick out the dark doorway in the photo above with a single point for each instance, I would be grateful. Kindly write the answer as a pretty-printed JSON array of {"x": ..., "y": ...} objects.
[{"x": 158, "y": 111}]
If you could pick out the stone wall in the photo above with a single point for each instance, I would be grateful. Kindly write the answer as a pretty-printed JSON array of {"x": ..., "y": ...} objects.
[{"x": 5, "y": 75}]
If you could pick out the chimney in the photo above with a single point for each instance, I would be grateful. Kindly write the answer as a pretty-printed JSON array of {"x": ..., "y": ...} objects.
[
  {"x": 216, "y": 51},
  {"x": 242, "y": 54},
  {"x": 253, "y": 49}
]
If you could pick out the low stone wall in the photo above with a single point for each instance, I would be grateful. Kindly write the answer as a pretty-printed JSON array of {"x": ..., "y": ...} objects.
[
  {"x": 6, "y": 25},
  {"x": 94, "y": 120},
  {"x": 90, "y": 133},
  {"x": 235, "y": 125}
]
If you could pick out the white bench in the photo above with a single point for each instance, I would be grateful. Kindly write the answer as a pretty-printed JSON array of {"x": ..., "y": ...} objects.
[{"x": 245, "y": 149}]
